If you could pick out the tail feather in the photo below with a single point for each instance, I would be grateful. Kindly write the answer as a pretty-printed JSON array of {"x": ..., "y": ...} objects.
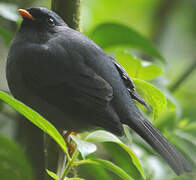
[{"x": 154, "y": 138}]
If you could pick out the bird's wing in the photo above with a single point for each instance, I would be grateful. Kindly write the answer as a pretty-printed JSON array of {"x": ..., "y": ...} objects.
[
  {"x": 74, "y": 88},
  {"x": 130, "y": 85},
  {"x": 44, "y": 71}
]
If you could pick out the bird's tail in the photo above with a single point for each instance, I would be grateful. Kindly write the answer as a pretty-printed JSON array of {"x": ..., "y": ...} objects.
[{"x": 159, "y": 143}]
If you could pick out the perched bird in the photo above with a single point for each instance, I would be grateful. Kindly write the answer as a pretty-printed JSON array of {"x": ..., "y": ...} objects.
[{"x": 74, "y": 84}]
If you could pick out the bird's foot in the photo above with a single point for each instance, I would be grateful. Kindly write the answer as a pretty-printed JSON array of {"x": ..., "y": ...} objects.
[{"x": 70, "y": 146}]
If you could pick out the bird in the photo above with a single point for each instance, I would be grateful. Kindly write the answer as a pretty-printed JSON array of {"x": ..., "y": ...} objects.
[{"x": 67, "y": 78}]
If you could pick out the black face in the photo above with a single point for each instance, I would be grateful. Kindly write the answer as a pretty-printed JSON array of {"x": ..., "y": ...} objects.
[{"x": 43, "y": 20}]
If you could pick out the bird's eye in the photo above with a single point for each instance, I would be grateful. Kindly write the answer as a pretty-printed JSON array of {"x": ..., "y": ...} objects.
[{"x": 51, "y": 22}]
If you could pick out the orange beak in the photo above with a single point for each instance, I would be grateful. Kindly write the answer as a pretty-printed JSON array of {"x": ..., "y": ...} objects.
[{"x": 25, "y": 14}]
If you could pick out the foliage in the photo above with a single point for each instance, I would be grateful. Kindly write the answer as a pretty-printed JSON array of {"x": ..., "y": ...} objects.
[
  {"x": 112, "y": 33},
  {"x": 13, "y": 162},
  {"x": 82, "y": 146},
  {"x": 8, "y": 11},
  {"x": 157, "y": 101}
]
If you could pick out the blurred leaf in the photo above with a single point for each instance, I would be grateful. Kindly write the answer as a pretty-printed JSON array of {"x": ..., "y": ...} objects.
[
  {"x": 155, "y": 97},
  {"x": 149, "y": 71},
  {"x": 104, "y": 136},
  {"x": 167, "y": 122},
  {"x": 35, "y": 118},
  {"x": 18, "y": 23},
  {"x": 137, "y": 68},
  {"x": 13, "y": 162},
  {"x": 183, "y": 123},
  {"x": 9, "y": 11},
  {"x": 171, "y": 105},
  {"x": 113, "y": 34},
  {"x": 76, "y": 178},
  {"x": 191, "y": 125},
  {"x": 190, "y": 128},
  {"x": 186, "y": 147},
  {"x": 127, "y": 133},
  {"x": 108, "y": 165},
  {"x": 122, "y": 159},
  {"x": 51, "y": 174},
  {"x": 6, "y": 35},
  {"x": 115, "y": 169},
  {"x": 93, "y": 171},
  {"x": 84, "y": 147},
  {"x": 186, "y": 136},
  {"x": 1, "y": 105}
]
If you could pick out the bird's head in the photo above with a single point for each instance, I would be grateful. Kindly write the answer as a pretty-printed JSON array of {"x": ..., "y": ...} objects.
[{"x": 40, "y": 20}]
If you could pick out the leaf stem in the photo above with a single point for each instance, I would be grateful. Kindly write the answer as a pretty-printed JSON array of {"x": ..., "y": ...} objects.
[
  {"x": 70, "y": 164},
  {"x": 86, "y": 161},
  {"x": 68, "y": 156}
]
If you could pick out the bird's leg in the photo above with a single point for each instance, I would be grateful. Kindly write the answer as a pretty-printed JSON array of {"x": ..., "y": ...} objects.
[{"x": 66, "y": 138}]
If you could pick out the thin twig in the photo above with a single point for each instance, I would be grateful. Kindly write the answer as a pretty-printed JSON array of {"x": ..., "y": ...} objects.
[
  {"x": 183, "y": 77},
  {"x": 70, "y": 164}
]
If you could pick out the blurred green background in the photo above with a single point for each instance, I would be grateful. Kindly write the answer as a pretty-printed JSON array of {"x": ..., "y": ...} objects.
[{"x": 171, "y": 26}]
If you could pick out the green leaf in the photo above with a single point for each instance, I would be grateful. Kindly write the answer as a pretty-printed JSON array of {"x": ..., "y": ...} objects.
[
  {"x": 186, "y": 136},
  {"x": 92, "y": 171},
  {"x": 186, "y": 146},
  {"x": 52, "y": 174},
  {"x": 13, "y": 162},
  {"x": 149, "y": 71},
  {"x": 122, "y": 159},
  {"x": 108, "y": 165},
  {"x": 76, "y": 178},
  {"x": 84, "y": 147},
  {"x": 104, "y": 136},
  {"x": 154, "y": 96},
  {"x": 172, "y": 104},
  {"x": 9, "y": 11},
  {"x": 35, "y": 118},
  {"x": 6, "y": 35},
  {"x": 115, "y": 169},
  {"x": 183, "y": 123},
  {"x": 190, "y": 128},
  {"x": 127, "y": 133},
  {"x": 115, "y": 34},
  {"x": 137, "y": 68}
]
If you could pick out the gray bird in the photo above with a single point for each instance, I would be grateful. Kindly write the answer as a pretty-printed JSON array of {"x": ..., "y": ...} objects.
[{"x": 74, "y": 84}]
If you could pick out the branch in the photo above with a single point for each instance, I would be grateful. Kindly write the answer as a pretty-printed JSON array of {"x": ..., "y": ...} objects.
[
  {"x": 183, "y": 77},
  {"x": 69, "y": 10},
  {"x": 161, "y": 18}
]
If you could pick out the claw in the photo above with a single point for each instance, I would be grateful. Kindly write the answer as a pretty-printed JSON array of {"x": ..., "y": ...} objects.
[{"x": 68, "y": 142}]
